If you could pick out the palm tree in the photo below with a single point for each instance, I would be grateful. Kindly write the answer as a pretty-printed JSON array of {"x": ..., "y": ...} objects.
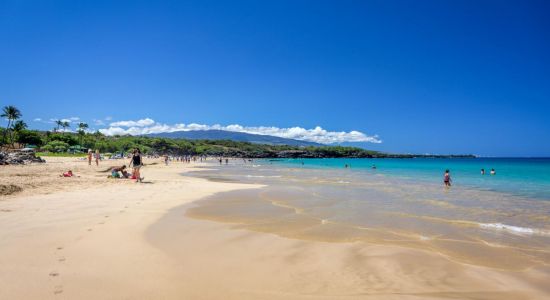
[
  {"x": 81, "y": 132},
  {"x": 59, "y": 123},
  {"x": 65, "y": 125},
  {"x": 17, "y": 127},
  {"x": 11, "y": 113}
]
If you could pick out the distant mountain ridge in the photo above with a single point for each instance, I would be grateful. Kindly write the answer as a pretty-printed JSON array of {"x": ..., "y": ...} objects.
[{"x": 234, "y": 136}]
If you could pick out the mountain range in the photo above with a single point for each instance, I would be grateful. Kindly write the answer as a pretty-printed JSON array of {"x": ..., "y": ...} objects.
[{"x": 234, "y": 136}]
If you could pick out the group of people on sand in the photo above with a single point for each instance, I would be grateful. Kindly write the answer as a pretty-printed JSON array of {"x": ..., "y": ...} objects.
[
  {"x": 95, "y": 155},
  {"x": 136, "y": 162},
  {"x": 447, "y": 176}
]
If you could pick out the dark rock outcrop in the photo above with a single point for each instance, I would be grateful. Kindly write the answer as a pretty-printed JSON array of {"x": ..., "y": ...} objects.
[{"x": 19, "y": 158}]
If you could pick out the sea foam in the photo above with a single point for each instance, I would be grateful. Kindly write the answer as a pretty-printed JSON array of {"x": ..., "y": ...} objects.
[{"x": 514, "y": 229}]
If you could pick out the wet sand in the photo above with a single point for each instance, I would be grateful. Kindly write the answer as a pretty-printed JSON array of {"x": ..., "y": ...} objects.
[{"x": 246, "y": 264}]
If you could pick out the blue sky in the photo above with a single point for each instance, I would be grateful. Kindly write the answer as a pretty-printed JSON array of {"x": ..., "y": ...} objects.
[{"x": 419, "y": 76}]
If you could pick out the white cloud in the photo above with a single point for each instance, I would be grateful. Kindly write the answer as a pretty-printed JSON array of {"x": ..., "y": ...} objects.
[
  {"x": 98, "y": 122},
  {"x": 140, "y": 123},
  {"x": 37, "y": 120},
  {"x": 69, "y": 120},
  {"x": 317, "y": 134}
]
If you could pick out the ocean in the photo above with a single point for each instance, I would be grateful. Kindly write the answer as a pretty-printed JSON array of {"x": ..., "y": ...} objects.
[
  {"x": 500, "y": 221},
  {"x": 528, "y": 177}
]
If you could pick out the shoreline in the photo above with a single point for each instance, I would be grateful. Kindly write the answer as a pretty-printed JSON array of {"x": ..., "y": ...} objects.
[
  {"x": 134, "y": 241},
  {"x": 270, "y": 266}
]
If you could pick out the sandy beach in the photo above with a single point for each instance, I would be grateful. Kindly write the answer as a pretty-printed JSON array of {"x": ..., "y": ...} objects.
[{"x": 96, "y": 238}]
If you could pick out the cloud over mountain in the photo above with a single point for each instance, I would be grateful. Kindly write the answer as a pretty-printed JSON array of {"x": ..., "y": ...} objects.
[{"x": 317, "y": 134}]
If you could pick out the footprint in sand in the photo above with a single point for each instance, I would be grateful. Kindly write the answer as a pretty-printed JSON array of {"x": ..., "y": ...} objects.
[
  {"x": 59, "y": 248},
  {"x": 54, "y": 274},
  {"x": 90, "y": 229},
  {"x": 58, "y": 289},
  {"x": 121, "y": 211},
  {"x": 101, "y": 223},
  {"x": 61, "y": 259},
  {"x": 106, "y": 216}
]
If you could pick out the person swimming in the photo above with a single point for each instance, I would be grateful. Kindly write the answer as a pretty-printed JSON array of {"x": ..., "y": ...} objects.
[
  {"x": 482, "y": 171},
  {"x": 373, "y": 167},
  {"x": 447, "y": 178},
  {"x": 493, "y": 172}
]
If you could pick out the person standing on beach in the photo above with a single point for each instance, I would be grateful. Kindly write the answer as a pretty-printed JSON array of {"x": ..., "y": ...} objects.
[
  {"x": 89, "y": 157},
  {"x": 447, "y": 178},
  {"x": 97, "y": 157},
  {"x": 136, "y": 161}
]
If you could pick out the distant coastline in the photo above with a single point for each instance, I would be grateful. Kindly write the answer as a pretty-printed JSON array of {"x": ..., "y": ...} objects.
[{"x": 62, "y": 142}]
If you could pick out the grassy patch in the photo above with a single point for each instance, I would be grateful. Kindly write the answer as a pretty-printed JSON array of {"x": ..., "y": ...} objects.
[{"x": 60, "y": 154}]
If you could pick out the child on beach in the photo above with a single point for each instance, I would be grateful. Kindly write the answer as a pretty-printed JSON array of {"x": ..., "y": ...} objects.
[
  {"x": 89, "y": 157},
  {"x": 447, "y": 178},
  {"x": 67, "y": 174},
  {"x": 115, "y": 172}
]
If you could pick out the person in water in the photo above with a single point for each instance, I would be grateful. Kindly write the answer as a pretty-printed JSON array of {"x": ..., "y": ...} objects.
[
  {"x": 493, "y": 172},
  {"x": 482, "y": 171},
  {"x": 137, "y": 162},
  {"x": 373, "y": 167},
  {"x": 447, "y": 178}
]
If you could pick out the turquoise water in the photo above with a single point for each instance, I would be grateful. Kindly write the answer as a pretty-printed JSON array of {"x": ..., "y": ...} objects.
[
  {"x": 498, "y": 221},
  {"x": 527, "y": 177}
]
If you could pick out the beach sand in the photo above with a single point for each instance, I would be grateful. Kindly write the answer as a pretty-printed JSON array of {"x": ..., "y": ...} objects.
[{"x": 97, "y": 238}]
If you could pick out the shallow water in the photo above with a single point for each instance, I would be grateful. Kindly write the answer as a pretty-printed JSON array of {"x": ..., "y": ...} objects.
[{"x": 471, "y": 225}]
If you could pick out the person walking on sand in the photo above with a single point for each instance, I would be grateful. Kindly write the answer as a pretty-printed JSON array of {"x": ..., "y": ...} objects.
[
  {"x": 97, "y": 157},
  {"x": 136, "y": 161},
  {"x": 89, "y": 157},
  {"x": 447, "y": 178}
]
